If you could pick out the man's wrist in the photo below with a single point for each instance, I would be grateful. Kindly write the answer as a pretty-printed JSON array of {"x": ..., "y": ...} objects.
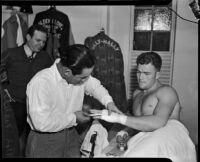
[
  {"x": 108, "y": 104},
  {"x": 122, "y": 119}
]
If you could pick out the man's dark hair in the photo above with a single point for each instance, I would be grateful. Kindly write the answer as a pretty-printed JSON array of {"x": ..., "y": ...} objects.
[
  {"x": 35, "y": 27},
  {"x": 77, "y": 57},
  {"x": 150, "y": 57}
]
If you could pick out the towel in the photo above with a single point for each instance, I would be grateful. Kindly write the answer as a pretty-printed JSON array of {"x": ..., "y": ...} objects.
[
  {"x": 100, "y": 143},
  {"x": 20, "y": 39},
  {"x": 171, "y": 141}
]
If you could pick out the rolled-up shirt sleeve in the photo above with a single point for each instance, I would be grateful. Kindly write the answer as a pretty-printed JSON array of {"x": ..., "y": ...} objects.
[
  {"x": 43, "y": 113},
  {"x": 94, "y": 88}
]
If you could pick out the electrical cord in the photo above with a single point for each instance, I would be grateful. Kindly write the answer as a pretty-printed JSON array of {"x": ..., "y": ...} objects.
[{"x": 181, "y": 16}]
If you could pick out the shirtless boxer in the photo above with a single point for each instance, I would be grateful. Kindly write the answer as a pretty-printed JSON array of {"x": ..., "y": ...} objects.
[
  {"x": 153, "y": 103},
  {"x": 156, "y": 114}
]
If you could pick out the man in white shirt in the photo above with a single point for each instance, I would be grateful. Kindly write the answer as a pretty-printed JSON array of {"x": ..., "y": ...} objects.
[{"x": 55, "y": 99}]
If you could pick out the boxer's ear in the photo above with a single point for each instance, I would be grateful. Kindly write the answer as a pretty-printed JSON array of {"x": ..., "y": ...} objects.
[{"x": 158, "y": 73}]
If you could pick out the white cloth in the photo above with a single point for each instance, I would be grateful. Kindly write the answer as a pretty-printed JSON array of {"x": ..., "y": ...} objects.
[
  {"x": 2, "y": 32},
  {"x": 171, "y": 141},
  {"x": 20, "y": 39},
  {"x": 52, "y": 101},
  {"x": 100, "y": 143}
]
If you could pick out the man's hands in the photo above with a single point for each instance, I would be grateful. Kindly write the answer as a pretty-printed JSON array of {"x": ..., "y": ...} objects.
[
  {"x": 111, "y": 107},
  {"x": 111, "y": 117},
  {"x": 86, "y": 109},
  {"x": 81, "y": 117}
]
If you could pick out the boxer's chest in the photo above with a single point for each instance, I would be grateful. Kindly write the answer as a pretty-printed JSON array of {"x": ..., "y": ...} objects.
[{"x": 144, "y": 104}]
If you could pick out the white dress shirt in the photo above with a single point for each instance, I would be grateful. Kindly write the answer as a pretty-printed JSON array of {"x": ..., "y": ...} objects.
[{"x": 51, "y": 101}]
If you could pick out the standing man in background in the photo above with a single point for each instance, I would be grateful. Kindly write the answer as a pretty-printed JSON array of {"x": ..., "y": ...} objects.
[
  {"x": 21, "y": 64},
  {"x": 55, "y": 100}
]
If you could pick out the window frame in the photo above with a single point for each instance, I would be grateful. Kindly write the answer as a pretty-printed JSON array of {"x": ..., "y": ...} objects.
[{"x": 167, "y": 56}]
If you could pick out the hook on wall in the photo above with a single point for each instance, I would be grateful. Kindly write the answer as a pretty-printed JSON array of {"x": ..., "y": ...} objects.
[
  {"x": 52, "y": 7},
  {"x": 102, "y": 29}
]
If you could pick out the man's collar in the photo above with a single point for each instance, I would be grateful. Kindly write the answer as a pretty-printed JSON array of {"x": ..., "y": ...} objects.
[
  {"x": 58, "y": 75},
  {"x": 27, "y": 50}
]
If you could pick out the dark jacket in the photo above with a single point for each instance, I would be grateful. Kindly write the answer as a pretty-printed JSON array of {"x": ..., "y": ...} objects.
[
  {"x": 109, "y": 68},
  {"x": 58, "y": 25}
]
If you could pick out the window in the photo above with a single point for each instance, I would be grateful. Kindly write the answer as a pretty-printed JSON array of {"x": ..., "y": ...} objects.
[{"x": 152, "y": 29}]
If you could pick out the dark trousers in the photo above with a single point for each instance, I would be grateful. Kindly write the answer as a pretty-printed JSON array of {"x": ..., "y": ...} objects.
[
  {"x": 20, "y": 112},
  {"x": 64, "y": 144}
]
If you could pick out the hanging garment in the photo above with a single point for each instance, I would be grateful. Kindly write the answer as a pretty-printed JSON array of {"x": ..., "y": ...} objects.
[
  {"x": 10, "y": 27},
  {"x": 53, "y": 46},
  {"x": 95, "y": 140},
  {"x": 20, "y": 39},
  {"x": 57, "y": 23},
  {"x": 10, "y": 142},
  {"x": 109, "y": 68}
]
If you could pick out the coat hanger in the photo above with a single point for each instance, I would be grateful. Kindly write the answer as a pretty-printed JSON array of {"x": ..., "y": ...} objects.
[
  {"x": 102, "y": 32},
  {"x": 52, "y": 8}
]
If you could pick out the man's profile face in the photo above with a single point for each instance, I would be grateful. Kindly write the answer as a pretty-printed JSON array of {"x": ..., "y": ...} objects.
[
  {"x": 37, "y": 41},
  {"x": 146, "y": 76},
  {"x": 79, "y": 79}
]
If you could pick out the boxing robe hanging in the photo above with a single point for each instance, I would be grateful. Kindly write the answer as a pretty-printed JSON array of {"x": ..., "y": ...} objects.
[
  {"x": 109, "y": 68},
  {"x": 59, "y": 30}
]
